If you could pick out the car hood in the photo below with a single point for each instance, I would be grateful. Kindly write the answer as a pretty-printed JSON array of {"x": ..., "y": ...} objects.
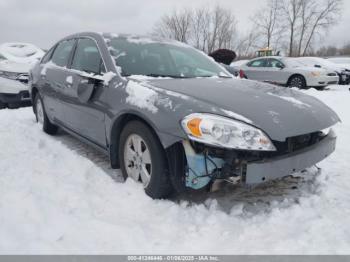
[{"x": 280, "y": 112}]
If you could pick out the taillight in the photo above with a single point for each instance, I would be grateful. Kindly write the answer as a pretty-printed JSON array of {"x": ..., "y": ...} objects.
[{"x": 241, "y": 74}]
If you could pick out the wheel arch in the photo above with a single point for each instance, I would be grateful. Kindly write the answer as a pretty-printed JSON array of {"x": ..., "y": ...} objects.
[{"x": 116, "y": 129}]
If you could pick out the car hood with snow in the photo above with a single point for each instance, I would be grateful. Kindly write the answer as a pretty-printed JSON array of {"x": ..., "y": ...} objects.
[
  {"x": 15, "y": 67},
  {"x": 280, "y": 112}
]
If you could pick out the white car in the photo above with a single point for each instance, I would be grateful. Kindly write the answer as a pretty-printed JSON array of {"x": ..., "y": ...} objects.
[
  {"x": 13, "y": 94},
  {"x": 343, "y": 72},
  {"x": 288, "y": 72},
  {"x": 16, "y": 59}
]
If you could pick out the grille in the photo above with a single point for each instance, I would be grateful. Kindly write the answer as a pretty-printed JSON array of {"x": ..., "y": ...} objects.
[{"x": 296, "y": 143}]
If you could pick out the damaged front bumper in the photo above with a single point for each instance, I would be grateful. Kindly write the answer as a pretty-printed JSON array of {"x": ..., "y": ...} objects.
[{"x": 204, "y": 168}]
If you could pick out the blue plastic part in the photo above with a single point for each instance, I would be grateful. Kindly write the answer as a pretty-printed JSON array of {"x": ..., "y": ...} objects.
[{"x": 196, "y": 177}]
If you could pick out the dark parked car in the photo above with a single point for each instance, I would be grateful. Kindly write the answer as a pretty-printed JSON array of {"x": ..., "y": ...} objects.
[{"x": 172, "y": 118}]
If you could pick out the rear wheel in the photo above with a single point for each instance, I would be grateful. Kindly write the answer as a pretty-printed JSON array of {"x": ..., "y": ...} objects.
[
  {"x": 42, "y": 118},
  {"x": 297, "y": 81},
  {"x": 142, "y": 158}
]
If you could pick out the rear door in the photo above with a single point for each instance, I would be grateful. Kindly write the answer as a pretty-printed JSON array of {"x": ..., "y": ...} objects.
[
  {"x": 52, "y": 76},
  {"x": 256, "y": 69},
  {"x": 85, "y": 117}
]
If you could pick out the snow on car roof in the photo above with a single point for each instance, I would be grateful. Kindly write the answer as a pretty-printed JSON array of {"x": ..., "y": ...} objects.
[{"x": 143, "y": 39}]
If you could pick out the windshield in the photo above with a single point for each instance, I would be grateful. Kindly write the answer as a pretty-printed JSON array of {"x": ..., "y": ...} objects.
[{"x": 157, "y": 59}]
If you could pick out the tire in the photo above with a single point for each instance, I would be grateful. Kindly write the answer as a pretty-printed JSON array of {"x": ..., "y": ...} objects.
[
  {"x": 143, "y": 159},
  {"x": 297, "y": 81},
  {"x": 42, "y": 118}
]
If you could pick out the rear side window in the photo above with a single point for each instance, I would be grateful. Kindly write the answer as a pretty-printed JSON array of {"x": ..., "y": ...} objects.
[
  {"x": 62, "y": 53},
  {"x": 258, "y": 63},
  {"x": 87, "y": 57}
]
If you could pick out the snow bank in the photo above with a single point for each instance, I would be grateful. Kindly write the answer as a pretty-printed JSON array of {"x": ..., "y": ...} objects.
[{"x": 59, "y": 196}]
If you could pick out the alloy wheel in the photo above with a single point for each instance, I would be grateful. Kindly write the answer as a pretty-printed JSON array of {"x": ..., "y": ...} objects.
[
  {"x": 137, "y": 159},
  {"x": 296, "y": 82}
]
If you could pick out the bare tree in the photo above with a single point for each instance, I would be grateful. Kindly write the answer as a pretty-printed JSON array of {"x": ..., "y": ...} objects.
[
  {"x": 207, "y": 29},
  {"x": 175, "y": 26},
  {"x": 291, "y": 12},
  {"x": 267, "y": 21},
  {"x": 306, "y": 15},
  {"x": 248, "y": 44},
  {"x": 200, "y": 28},
  {"x": 324, "y": 17},
  {"x": 292, "y": 25}
]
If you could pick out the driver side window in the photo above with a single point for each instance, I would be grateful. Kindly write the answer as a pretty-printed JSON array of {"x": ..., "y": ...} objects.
[{"x": 87, "y": 57}]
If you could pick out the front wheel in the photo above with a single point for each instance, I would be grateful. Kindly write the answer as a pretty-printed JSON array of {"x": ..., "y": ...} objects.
[
  {"x": 142, "y": 158},
  {"x": 297, "y": 81},
  {"x": 42, "y": 118}
]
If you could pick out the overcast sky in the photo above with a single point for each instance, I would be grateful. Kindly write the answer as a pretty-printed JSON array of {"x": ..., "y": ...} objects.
[{"x": 43, "y": 22}]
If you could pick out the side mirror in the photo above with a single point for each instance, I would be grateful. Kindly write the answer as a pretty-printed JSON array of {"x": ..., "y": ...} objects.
[{"x": 280, "y": 66}]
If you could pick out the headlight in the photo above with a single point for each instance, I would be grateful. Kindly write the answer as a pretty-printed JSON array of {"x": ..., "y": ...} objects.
[
  {"x": 9, "y": 75},
  {"x": 224, "y": 132},
  {"x": 315, "y": 74}
]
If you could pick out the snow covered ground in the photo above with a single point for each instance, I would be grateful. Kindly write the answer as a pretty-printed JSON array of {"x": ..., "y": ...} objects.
[{"x": 59, "y": 196}]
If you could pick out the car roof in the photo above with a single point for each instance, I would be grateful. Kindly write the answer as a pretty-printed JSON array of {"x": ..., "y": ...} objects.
[
  {"x": 132, "y": 37},
  {"x": 267, "y": 57}
]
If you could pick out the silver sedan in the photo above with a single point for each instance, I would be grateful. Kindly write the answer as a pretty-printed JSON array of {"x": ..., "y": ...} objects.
[{"x": 288, "y": 72}]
